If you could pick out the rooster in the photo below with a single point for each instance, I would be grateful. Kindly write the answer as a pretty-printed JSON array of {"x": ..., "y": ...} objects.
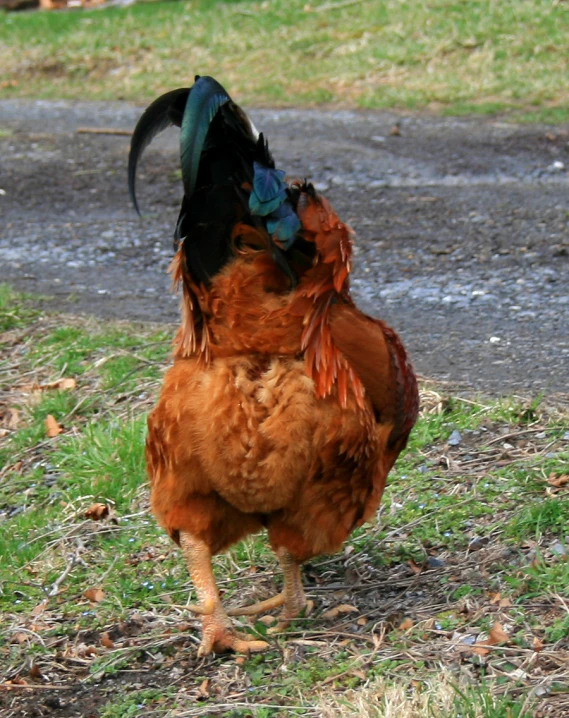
[{"x": 286, "y": 407}]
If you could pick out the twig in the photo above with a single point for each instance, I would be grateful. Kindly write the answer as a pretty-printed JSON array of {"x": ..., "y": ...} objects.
[
  {"x": 515, "y": 434},
  {"x": 103, "y": 131},
  {"x": 35, "y": 687},
  {"x": 59, "y": 580}
]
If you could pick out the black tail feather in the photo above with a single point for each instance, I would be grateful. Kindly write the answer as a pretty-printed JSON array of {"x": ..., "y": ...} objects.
[
  {"x": 219, "y": 150},
  {"x": 165, "y": 111}
]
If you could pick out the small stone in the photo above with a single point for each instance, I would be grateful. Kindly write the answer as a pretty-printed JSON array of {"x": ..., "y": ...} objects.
[
  {"x": 558, "y": 548},
  {"x": 477, "y": 543},
  {"x": 455, "y": 438},
  {"x": 556, "y": 166},
  {"x": 435, "y": 562}
]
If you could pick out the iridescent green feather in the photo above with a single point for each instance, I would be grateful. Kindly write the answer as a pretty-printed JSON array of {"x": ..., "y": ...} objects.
[{"x": 205, "y": 99}]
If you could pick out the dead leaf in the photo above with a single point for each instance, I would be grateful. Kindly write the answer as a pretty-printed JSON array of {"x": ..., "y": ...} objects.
[
  {"x": 29, "y": 387},
  {"x": 95, "y": 595},
  {"x": 82, "y": 650},
  {"x": 11, "y": 419},
  {"x": 361, "y": 621},
  {"x": 338, "y": 610},
  {"x": 203, "y": 689},
  {"x": 36, "y": 674},
  {"x": 19, "y": 637},
  {"x": 558, "y": 480},
  {"x": 17, "y": 681},
  {"x": 414, "y": 567},
  {"x": 106, "y": 641},
  {"x": 406, "y": 625},
  {"x": 97, "y": 512},
  {"x": 64, "y": 384},
  {"x": 537, "y": 644},
  {"x": 505, "y": 602},
  {"x": 479, "y": 649},
  {"x": 495, "y": 598},
  {"x": 51, "y": 426},
  {"x": 359, "y": 674},
  {"x": 40, "y": 608},
  {"x": 497, "y": 635}
]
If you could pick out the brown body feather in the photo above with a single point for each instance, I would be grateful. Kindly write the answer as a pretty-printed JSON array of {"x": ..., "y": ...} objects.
[{"x": 285, "y": 408}]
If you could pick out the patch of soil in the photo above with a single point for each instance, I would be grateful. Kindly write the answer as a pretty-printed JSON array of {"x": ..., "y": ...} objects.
[{"x": 462, "y": 227}]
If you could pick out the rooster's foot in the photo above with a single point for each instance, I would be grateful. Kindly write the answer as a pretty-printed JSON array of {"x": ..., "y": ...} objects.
[
  {"x": 289, "y": 615},
  {"x": 220, "y": 637}
]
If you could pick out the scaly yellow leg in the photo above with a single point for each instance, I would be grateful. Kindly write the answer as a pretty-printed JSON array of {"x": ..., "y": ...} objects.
[
  {"x": 292, "y": 597},
  {"x": 293, "y": 591},
  {"x": 218, "y": 634}
]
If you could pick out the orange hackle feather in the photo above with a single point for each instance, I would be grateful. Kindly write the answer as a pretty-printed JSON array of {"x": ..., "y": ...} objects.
[
  {"x": 248, "y": 309},
  {"x": 321, "y": 286}
]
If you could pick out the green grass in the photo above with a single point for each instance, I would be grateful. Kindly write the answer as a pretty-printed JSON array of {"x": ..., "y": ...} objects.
[
  {"x": 418, "y": 561},
  {"x": 475, "y": 56}
]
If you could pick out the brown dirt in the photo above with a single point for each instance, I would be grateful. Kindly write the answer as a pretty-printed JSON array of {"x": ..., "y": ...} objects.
[{"x": 462, "y": 227}]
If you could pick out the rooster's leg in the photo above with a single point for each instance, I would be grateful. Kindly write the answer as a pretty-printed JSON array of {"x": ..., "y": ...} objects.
[
  {"x": 293, "y": 592},
  {"x": 218, "y": 635},
  {"x": 292, "y": 597}
]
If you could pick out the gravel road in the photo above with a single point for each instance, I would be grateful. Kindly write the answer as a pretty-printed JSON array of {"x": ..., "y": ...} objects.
[{"x": 462, "y": 226}]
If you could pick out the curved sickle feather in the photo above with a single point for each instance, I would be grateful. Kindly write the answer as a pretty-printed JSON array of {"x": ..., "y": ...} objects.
[
  {"x": 165, "y": 111},
  {"x": 205, "y": 99}
]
